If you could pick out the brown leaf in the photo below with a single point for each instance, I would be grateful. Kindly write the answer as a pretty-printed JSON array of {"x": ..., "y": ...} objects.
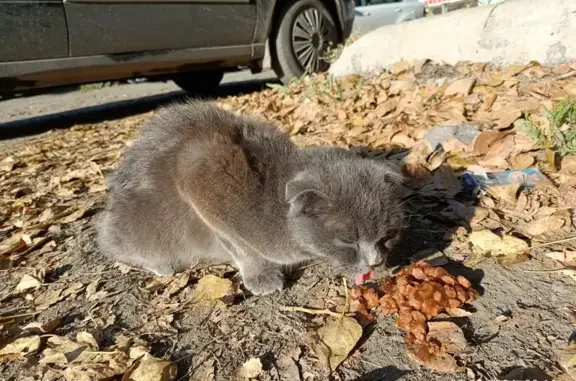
[
  {"x": 449, "y": 334},
  {"x": 93, "y": 372},
  {"x": 401, "y": 87},
  {"x": 501, "y": 148},
  {"x": 443, "y": 362},
  {"x": 567, "y": 257},
  {"x": 178, "y": 283},
  {"x": 386, "y": 108},
  {"x": 506, "y": 117},
  {"x": 485, "y": 140},
  {"x": 43, "y": 328},
  {"x": 506, "y": 193},
  {"x": 333, "y": 343},
  {"x": 460, "y": 87},
  {"x": 522, "y": 161},
  {"x": 400, "y": 67},
  {"x": 568, "y": 165},
  {"x": 19, "y": 349},
  {"x": 543, "y": 225},
  {"x": 151, "y": 369},
  {"x": 48, "y": 298}
]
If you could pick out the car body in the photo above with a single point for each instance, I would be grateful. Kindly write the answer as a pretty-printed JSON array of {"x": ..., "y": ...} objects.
[
  {"x": 46, "y": 43},
  {"x": 372, "y": 14}
]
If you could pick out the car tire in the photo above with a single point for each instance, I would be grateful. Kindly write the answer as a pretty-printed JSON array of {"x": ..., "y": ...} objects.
[
  {"x": 199, "y": 82},
  {"x": 301, "y": 39}
]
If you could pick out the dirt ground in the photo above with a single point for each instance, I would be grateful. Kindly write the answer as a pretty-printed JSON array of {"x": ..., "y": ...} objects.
[{"x": 53, "y": 187}]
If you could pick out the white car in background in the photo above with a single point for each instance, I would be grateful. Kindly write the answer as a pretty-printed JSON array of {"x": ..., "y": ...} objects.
[{"x": 372, "y": 14}]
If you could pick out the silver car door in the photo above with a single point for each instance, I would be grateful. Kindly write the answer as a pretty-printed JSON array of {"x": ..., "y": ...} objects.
[{"x": 372, "y": 14}]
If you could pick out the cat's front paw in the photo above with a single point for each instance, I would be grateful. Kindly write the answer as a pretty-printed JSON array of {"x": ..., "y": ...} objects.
[{"x": 265, "y": 282}]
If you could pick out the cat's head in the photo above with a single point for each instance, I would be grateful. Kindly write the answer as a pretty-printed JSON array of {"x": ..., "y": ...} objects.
[{"x": 348, "y": 211}]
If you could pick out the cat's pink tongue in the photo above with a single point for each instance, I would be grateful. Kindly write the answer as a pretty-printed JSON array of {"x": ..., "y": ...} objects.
[{"x": 361, "y": 278}]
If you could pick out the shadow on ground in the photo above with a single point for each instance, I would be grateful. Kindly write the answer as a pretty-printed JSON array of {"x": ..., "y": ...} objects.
[{"x": 118, "y": 109}]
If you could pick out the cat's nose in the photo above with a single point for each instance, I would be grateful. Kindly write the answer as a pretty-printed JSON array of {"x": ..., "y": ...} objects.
[
  {"x": 373, "y": 258},
  {"x": 376, "y": 261}
]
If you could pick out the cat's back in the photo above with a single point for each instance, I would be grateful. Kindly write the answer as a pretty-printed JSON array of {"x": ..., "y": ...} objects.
[{"x": 191, "y": 127}]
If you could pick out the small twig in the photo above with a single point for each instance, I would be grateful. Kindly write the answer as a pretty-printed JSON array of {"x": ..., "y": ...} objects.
[
  {"x": 2, "y": 318},
  {"x": 312, "y": 311},
  {"x": 565, "y": 268},
  {"x": 347, "y": 302},
  {"x": 553, "y": 242},
  {"x": 567, "y": 75}
]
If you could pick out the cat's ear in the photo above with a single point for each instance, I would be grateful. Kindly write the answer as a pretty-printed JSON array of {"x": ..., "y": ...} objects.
[{"x": 303, "y": 195}]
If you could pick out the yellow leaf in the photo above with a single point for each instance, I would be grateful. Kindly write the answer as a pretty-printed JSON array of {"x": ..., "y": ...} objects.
[
  {"x": 19, "y": 349},
  {"x": 151, "y": 369},
  {"x": 212, "y": 287},
  {"x": 487, "y": 243},
  {"x": 251, "y": 368},
  {"x": 567, "y": 359},
  {"x": 546, "y": 224},
  {"x": 333, "y": 343},
  {"x": 29, "y": 282}
]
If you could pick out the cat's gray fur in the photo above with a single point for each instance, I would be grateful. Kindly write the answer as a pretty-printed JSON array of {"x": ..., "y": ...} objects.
[{"x": 203, "y": 185}]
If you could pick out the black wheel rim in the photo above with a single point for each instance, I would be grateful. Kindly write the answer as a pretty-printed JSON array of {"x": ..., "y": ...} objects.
[{"x": 312, "y": 34}]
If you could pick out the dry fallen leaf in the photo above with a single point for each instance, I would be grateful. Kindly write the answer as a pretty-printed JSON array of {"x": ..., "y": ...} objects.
[
  {"x": 442, "y": 362},
  {"x": 543, "y": 225},
  {"x": 458, "y": 312},
  {"x": 92, "y": 372},
  {"x": 448, "y": 334},
  {"x": 485, "y": 140},
  {"x": 84, "y": 337},
  {"x": 212, "y": 287},
  {"x": 151, "y": 369},
  {"x": 73, "y": 216},
  {"x": 522, "y": 161},
  {"x": 506, "y": 193},
  {"x": 48, "y": 298},
  {"x": 333, "y": 343},
  {"x": 485, "y": 242},
  {"x": 178, "y": 283},
  {"x": 568, "y": 257},
  {"x": 567, "y": 359},
  {"x": 43, "y": 328},
  {"x": 251, "y": 368},
  {"x": 460, "y": 87},
  {"x": 18, "y": 349},
  {"x": 30, "y": 281}
]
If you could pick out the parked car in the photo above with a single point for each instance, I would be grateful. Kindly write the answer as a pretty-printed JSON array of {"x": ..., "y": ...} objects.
[
  {"x": 63, "y": 42},
  {"x": 372, "y": 14}
]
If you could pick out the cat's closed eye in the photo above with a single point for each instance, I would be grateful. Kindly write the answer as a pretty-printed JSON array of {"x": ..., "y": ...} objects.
[{"x": 347, "y": 242}]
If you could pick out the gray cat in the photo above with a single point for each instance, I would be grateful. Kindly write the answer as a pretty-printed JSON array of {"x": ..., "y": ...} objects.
[{"x": 203, "y": 185}]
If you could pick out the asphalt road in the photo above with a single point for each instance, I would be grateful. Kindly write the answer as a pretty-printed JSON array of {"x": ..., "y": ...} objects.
[{"x": 35, "y": 114}]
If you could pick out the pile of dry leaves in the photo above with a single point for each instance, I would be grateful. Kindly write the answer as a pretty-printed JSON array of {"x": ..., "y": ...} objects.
[{"x": 437, "y": 121}]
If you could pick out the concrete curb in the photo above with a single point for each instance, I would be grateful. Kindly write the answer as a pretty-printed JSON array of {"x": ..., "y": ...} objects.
[{"x": 516, "y": 31}]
